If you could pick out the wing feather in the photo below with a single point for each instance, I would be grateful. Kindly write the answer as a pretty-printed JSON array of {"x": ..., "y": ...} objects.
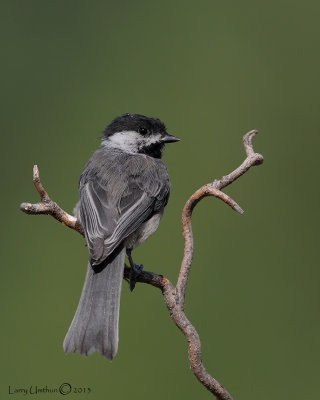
[{"x": 114, "y": 205}]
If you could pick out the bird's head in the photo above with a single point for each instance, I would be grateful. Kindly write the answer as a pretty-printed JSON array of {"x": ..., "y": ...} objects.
[{"x": 135, "y": 133}]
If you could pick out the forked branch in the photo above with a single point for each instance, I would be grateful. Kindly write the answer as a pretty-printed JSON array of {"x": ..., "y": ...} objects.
[
  {"x": 174, "y": 296},
  {"x": 48, "y": 206}
]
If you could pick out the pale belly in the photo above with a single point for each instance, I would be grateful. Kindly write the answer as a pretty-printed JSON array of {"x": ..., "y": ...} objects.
[{"x": 145, "y": 230}]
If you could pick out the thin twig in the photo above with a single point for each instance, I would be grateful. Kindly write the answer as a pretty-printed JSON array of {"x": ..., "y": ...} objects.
[
  {"x": 174, "y": 297},
  {"x": 48, "y": 206},
  {"x": 251, "y": 160},
  {"x": 211, "y": 189}
]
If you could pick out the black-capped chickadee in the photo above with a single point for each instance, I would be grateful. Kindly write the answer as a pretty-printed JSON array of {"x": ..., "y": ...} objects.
[{"x": 123, "y": 189}]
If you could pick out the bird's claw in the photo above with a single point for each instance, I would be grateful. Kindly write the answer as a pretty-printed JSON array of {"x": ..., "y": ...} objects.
[{"x": 135, "y": 271}]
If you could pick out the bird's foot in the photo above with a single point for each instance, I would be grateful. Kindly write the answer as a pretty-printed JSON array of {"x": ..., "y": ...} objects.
[{"x": 135, "y": 271}]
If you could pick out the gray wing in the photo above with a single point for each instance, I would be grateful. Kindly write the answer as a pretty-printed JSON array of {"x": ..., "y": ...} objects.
[{"x": 110, "y": 211}]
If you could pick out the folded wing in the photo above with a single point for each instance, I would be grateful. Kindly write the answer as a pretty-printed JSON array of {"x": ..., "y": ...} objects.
[{"x": 109, "y": 215}]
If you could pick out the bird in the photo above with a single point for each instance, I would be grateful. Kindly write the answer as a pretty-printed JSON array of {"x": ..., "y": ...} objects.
[{"x": 123, "y": 191}]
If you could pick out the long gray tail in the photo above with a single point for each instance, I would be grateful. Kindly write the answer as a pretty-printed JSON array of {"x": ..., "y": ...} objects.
[{"x": 95, "y": 325}]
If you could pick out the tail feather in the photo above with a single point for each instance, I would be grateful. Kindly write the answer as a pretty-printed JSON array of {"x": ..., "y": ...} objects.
[{"x": 95, "y": 325}]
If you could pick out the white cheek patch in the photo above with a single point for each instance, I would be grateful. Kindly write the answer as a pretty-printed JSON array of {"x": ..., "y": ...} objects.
[
  {"x": 153, "y": 139},
  {"x": 131, "y": 141},
  {"x": 127, "y": 141}
]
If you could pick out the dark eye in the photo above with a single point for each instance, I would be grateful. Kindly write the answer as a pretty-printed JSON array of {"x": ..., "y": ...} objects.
[{"x": 143, "y": 131}]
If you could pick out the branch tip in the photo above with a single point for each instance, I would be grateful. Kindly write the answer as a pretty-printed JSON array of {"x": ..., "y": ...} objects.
[
  {"x": 259, "y": 159},
  {"x": 36, "y": 176},
  {"x": 25, "y": 207},
  {"x": 247, "y": 142},
  {"x": 238, "y": 209}
]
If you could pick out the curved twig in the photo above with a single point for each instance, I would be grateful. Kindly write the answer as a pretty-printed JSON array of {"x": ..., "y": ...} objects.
[
  {"x": 174, "y": 297},
  {"x": 47, "y": 206},
  {"x": 212, "y": 189}
]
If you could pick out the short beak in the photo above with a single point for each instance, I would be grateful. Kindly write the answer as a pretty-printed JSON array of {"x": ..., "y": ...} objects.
[{"x": 169, "y": 138}]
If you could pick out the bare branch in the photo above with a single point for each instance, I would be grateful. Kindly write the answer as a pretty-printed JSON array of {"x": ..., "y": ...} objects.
[
  {"x": 251, "y": 160},
  {"x": 47, "y": 206},
  {"x": 36, "y": 180},
  {"x": 150, "y": 278},
  {"x": 174, "y": 297},
  {"x": 211, "y": 189}
]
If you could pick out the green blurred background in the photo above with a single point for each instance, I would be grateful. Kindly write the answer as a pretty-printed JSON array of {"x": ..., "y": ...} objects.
[{"x": 211, "y": 70}]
